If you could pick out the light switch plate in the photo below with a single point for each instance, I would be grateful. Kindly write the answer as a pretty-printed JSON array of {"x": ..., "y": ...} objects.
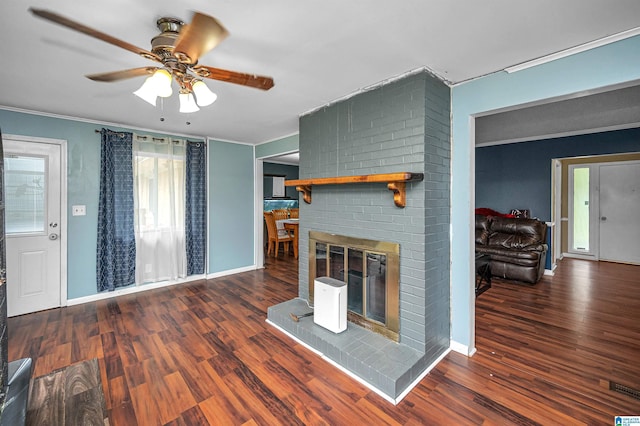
[{"x": 78, "y": 210}]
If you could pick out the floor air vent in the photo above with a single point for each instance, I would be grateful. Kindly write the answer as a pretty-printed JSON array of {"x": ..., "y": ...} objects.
[{"x": 617, "y": 387}]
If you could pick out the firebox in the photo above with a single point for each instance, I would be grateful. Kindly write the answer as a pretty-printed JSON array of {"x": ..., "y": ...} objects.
[{"x": 371, "y": 270}]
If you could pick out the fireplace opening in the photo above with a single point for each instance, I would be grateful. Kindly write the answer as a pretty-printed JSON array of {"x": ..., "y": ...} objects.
[{"x": 372, "y": 272}]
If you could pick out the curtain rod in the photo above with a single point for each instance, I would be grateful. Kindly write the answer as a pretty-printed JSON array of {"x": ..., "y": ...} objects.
[{"x": 99, "y": 131}]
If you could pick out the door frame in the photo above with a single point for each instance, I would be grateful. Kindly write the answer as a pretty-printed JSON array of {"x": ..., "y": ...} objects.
[
  {"x": 258, "y": 226},
  {"x": 594, "y": 211},
  {"x": 556, "y": 212},
  {"x": 62, "y": 143},
  {"x": 258, "y": 218}
]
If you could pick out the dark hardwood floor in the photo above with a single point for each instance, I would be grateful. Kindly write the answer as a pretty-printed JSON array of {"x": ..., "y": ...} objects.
[
  {"x": 201, "y": 353},
  {"x": 70, "y": 396}
]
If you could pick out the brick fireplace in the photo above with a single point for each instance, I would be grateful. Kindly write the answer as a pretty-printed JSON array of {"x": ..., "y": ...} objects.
[
  {"x": 401, "y": 126},
  {"x": 370, "y": 268}
]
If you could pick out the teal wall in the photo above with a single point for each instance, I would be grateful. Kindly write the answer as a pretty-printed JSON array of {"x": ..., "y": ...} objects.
[
  {"x": 231, "y": 206},
  {"x": 231, "y": 195},
  {"x": 83, "y": 149},
  {"x": 277, "y": 147},
  {"x": 615, "y": 63},
  {"x": 230, "y": 191}
]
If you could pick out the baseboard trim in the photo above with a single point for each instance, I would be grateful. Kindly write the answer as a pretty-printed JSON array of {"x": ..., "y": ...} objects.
[
  {"x": 422, "y": 375},
  {"x": 152, "y": 286},
  {"x": 231, "y": 272},
  {"x": 579, "y": 256},
  {"x": 462, "y": 349},
  {"x": 131, "y": 290}
]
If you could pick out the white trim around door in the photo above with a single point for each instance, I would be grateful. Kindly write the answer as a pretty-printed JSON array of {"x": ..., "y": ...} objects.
[{"x": 63, "y": 220}]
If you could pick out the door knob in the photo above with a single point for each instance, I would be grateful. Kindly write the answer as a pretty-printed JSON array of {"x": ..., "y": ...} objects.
[
  {"x": 603, "y": 218},
  {"x": 53, "y": 237}
]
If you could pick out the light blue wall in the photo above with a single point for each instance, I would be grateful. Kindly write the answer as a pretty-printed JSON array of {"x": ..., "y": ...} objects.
[
  {"x": 280, "y": 146},
  {"x": 231, "y": 206},
  {"x": 231, "y": 195},
  {"x": 83, "y": 147},
  {"x": 615, "y": 63}
]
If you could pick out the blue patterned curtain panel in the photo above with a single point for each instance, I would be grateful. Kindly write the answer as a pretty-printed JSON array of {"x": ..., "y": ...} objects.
[
  {"x": 116, "y": 254},
  {"x": 196, "y": 207}
]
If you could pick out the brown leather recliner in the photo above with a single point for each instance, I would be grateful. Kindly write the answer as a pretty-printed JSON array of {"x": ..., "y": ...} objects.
[{"x": 517, "y": 247}]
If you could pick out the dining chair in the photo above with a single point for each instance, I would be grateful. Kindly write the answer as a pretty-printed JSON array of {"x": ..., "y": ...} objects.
[
  {"x": 280, "y": 214},
  {"x": 275, "y": 235},
  {"x": 294, "y": 213}
]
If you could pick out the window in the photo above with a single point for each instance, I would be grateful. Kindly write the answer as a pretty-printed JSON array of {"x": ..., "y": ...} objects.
[
  {"x": 152, "y": 213},
  {"x": 25, "y": 193},
  {"x": 580, "y": 209},
  {"x": 159, "y": 206}
]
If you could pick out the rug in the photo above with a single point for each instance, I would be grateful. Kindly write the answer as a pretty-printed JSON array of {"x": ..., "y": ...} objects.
[{"x": 69, "y": 396}]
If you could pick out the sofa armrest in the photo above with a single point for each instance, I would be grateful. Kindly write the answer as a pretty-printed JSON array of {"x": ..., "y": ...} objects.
[{"x": 535, "y": 247}]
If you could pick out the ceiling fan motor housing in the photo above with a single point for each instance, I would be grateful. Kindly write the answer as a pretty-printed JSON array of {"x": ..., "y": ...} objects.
[{"x": 163, "y": 43}]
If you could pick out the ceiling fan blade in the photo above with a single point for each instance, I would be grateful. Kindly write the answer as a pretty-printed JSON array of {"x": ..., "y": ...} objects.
[
  {"x": 108, "y": 77},
  {"x": 257, "y": 81},
  {"x": 58, "y": 19},
  {"x": 197, "y": 38}
]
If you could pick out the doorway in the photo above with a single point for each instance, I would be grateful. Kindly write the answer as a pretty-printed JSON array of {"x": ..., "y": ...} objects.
[
  {"x": 290, "y": 159},
  {"x": 603, "y": 201},
  {"x": 35, "y": 222}
]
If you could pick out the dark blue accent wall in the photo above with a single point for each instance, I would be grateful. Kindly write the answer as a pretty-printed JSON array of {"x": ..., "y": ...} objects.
[{"x": 519, "y": 175}]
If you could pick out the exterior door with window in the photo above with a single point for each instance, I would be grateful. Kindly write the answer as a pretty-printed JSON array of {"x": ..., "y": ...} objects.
[
  {"x": 32, "y": 221},
  {"x": 582, "y": 192}
]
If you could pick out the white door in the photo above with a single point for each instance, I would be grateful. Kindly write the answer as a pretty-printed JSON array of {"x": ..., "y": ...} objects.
[
  {"x": 32, "y": 223},
  {"x": 619, "y": 209}
]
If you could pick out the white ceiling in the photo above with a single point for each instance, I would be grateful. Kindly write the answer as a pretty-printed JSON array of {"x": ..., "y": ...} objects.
[{"x": 316, "y": 51}]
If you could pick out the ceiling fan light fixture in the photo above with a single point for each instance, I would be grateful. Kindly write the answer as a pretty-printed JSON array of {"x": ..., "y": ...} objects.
[
  {"x": 162, "y": 83},
  {"x": 187, "y": 103},
  {"x": 204, "y": 96},
  {"x": 147, "y": 91},
  {"x": 177, "y": 48}
]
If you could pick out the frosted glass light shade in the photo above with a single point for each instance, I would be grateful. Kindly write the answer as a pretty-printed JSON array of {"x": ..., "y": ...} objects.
[
  {"x": 187, "y": 103},
  {"x": 159, "y": 84},
  {"x": 204, "y": 96},
  {"x": 162, "y": 83},
  {"x": 147, "y": 91}
]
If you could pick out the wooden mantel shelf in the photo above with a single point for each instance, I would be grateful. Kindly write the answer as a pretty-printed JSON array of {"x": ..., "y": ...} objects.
[{"x": 396, "y": 182}]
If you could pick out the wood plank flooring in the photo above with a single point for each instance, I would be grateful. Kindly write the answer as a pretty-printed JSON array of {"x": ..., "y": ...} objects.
[
  {"x": 69, "y": 396},
  {"x": 201, "y": 353}
]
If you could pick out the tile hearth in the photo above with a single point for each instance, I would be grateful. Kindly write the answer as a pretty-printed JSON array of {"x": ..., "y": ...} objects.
[{"x": 389, "y": 368}]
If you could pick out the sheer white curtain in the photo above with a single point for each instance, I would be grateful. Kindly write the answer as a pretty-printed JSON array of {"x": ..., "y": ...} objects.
[{"x": 159, "y": 176}]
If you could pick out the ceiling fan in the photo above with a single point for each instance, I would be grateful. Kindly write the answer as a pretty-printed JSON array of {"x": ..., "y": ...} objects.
[{"x": 177, "y": 48}]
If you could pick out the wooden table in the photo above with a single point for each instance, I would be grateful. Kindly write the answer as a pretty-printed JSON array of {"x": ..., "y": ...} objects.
[{"x": 292, "y": 225}]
